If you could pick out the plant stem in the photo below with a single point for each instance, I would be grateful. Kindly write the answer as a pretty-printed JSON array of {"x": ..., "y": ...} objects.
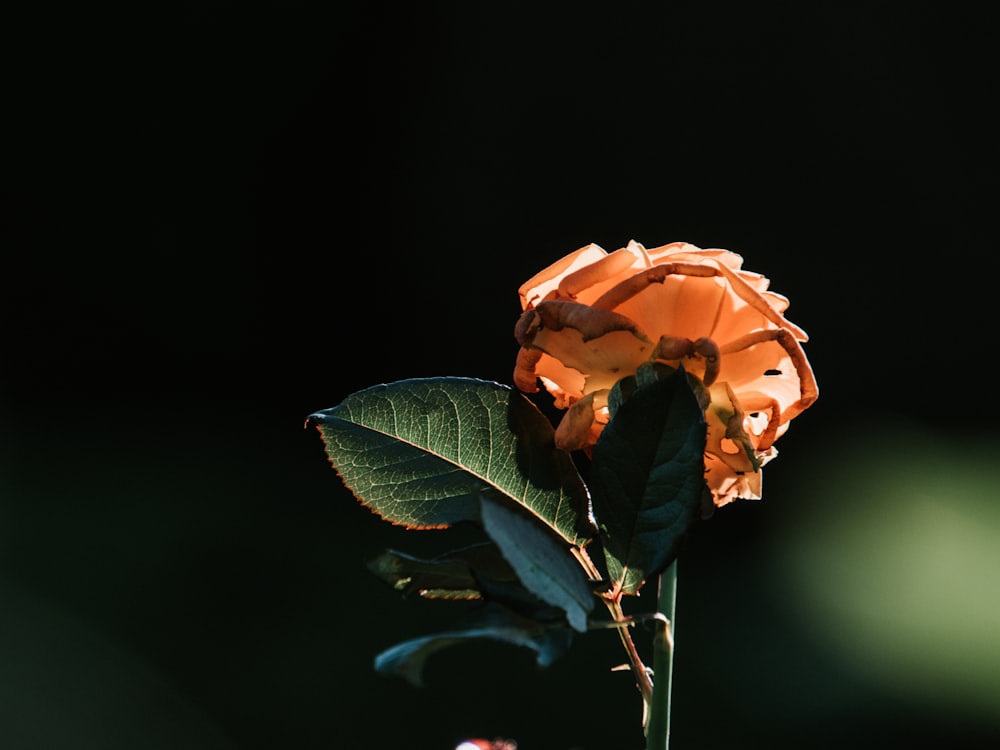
[
  {"x": 642, "y": 681},
  {"x": 658, "y": 728},
  {"x": 613, "y": 603}
]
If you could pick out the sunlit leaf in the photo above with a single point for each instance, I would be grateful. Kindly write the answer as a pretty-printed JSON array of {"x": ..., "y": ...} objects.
[
  {"x": 408, "y": 659},
  {"x": 420, "y": 453},
  {"x": 545, "y": 566},
  {"x": 647, "y": 474}
]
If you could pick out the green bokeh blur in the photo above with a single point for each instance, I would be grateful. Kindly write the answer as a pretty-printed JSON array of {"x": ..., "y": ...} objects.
[
  {"x": 892, "y": 565},
  {"x": 234, "y": 215}
]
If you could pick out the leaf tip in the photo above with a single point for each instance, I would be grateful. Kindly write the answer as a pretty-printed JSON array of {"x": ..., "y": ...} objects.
[{"x": 317, "y": 418}]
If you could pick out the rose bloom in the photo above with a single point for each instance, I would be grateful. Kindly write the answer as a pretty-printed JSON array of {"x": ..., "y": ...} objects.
[{"x": 592, "y": 318}]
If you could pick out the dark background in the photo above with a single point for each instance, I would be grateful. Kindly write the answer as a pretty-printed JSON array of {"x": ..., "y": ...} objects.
[{"x": 220, "y": 217}]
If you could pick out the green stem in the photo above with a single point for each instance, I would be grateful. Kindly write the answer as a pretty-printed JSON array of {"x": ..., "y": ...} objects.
[{"x": 658, "y": 728}]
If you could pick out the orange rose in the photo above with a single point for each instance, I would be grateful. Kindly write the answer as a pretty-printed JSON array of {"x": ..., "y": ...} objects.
[{"x": 592, "y": 318}]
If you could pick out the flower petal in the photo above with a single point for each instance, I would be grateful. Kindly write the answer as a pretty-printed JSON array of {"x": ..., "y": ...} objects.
[
  {"x": 525, "y": 372},
  {"x": 726, "y": 437},
  {"x": 754, "y": 299},
  {"x": 564, "y": 383},
  {"x": 539, "y": 286},
  {"x": 590, "y": 320},
  {"x": 574, "y": 430},
  {"x": 675, "y": 299},
  {"x": 770, "y": 362},
  {"x": 685, "y": 251},
  {"x": 596, "y": 277},
  {"x": 602, "y": 361}
]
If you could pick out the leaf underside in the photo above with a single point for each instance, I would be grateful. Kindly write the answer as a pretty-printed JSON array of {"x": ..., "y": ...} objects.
[
  {"x": 493, "y": 622},
  {"x": 544, "y": 566}
]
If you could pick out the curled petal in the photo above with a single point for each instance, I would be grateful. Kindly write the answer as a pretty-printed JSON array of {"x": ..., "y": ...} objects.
[
  {"x": 556, "y": 315},
  {"x": 764, "y": 429},
  {"x": 600, "y": 345},
  {"x": 636, "y": 283},
  {"x": 673, "y": 348},
  {"x": 527, "y": 326},
  {"x": 760, "y": 303},
  {"x": 754, "y": 362},
  {"x": 708, "y": 350},
  {"x": 676, "y": 348},
  {"x": 726, "y": 438},
  {"x": 685, "y": 251},
  {"x": 605, "y": 269},
  {"x": 778, "y": 301},
  {"x": 575, "y": 428},
  {"x": 525, "y": 377},
  {"x": 545, "y": 282}
]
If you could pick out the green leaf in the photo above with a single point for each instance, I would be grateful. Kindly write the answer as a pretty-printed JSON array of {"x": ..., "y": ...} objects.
[
  {"x": 515, "y": 597},
  {"x": 420, "y": 453},
  {"x": 478, "y": 571},
  {"x": 455, "y": 575},
  {"x": 408, "y": 659},
  {"x": 547, "y": 568},
  {"x": 648, "y": 474}
]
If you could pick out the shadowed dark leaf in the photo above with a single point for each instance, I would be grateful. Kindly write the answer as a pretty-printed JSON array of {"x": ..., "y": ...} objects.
[
  {"x": 492, "y": 622},
  {"x": 455, "y": 575},
  {"x": 648, "y": 473},
  {"x": 546, "y": 567}
]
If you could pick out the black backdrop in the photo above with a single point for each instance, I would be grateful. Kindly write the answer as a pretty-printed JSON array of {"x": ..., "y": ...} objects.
[{"x": 219, "y": 217}]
